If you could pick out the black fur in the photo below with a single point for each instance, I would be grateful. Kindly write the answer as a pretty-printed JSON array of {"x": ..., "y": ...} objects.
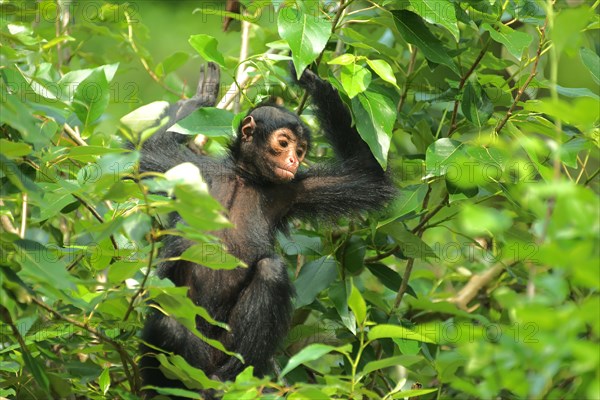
[{"x": 254, "y": 301}]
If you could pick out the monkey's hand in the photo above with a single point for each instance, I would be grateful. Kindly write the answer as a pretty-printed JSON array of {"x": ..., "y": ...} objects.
[
  {"x": 208, "y": 83},
  {"x": 308, "y": 80},
  {"x": 206, "y": 93}
]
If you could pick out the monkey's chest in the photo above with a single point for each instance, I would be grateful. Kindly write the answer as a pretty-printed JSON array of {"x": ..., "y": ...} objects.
[{"x": 254, "y": 219}]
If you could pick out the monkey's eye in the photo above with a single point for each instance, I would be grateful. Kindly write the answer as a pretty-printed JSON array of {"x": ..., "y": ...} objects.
[
  {"x": 299, "y": 153},
  {"x": 283, "y": 143}
]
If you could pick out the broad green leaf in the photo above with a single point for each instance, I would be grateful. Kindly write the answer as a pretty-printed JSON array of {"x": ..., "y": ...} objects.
[
  {"x": 211, "y": 255},
  {"x": 357, "y": 305},
  {"x": 476, "y": 105},
  {"x": 172, "y": 63},
  {"x": 411, "y": 245},
  {"x": 14, "y": 150},
  {"x": 384, "y": 70},
  {"x": 338, "y": 293},
  {"x": 174, "y": 302},
  {"x": 91, "y": 97},
  {"x": 440, "y": 155},
  {"x": 390, "y": 278},
  {"x": 375, "y": 115},
  {"x": 104, "y": 380},
  {"x": 145, "y": 117},
  {"x": 479, "y": 220},
  {"x": 592, "y": 62},
  {"x": 176, "y": 367},
  {"x": 408, "y": 200},
  {"x": 405, "y": 361},
  {"x": 208, "y": 121},
  {"x": 355, "y": 79},
  {"x": 415, "y": 32},
  {"x": 43, "y": 265},
  {"x": 314, "y": 277},
  {"x": 306, "y": 34},
  {"x": 412, "y": 393},
  {"x": 206, "y": 46},
  {"x": 439, "y": 12},
  {"x": 397, "y": 332},
  {"x": 516, "y": 42},
  {"x": 344, "y": 59},
  {"x": 311, "y": 353}
]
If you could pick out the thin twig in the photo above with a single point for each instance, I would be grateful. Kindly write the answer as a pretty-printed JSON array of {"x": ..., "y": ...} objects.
[
  {"x": 411, "y": 67},
  {"x": 243, "y": 55},
  {"x": 23, "y": 216},
  {"x": 532, "y": 75},
  {"x": 74, "y": 135},
  {"x": 145, "y": 64},
  {"x": 463, "y": 81}
]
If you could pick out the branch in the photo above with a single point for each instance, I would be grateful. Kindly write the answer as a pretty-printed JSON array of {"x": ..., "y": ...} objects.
[
  {"x": 532, "y": 75},
  {"x": 475, "y": 284},
  {"x": 461, "y": 85}
]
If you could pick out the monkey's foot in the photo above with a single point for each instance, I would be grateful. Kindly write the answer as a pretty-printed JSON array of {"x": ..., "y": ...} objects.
[{"x": 209, "y": 83}]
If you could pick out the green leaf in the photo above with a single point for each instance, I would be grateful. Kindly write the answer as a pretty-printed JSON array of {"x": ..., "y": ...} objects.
[
  {"x": 211, "y": 255},
  {"x": 357, "y": 305},
  {"x": 344, "y": 59},
  {"x": 409, "y": 199},
  {"x": 314, "y": 277},
  {"x": 375, "y": 115},
  {"x": 396, "y": 332},
  {"x": 355, "y": 79},
  {"x": 104, "y": 380},
  {"x": 14, "y": 150},
  {"x": 177, "y": 368},
  {"x": 208, "y": 121},
  {"x": 592, "y": 62},
  {"x": 476, "y": 105},
  {"x": 516, "y": 42},
  {"x": 439, "y": 12},
  {"x": 311, "y": 353},
  {"x": 306, "y": 34},
  {"x": 411, "y": 245},
  {"x": 413, "y": 393},
  {"x": 405, "y": 361},
  {"x": 440, "y": 155},
  {"x": 390, "y": 278},
  {"x": 415, "y": 32},
  {"x": 91, "y": 97},
  {"x": 479, "y": 220},
  {"x": 172, "y": 63},
  {"x": 384, "y": 70},
  {"x": 206, "y": 46},
  {"x": 145, "y": 117}
]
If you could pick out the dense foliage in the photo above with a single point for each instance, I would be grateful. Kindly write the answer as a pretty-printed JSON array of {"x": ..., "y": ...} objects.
[{"x": 480, "y": 281}]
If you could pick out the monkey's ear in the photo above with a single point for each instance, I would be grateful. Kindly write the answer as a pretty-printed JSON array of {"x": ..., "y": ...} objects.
[{"x": 248, "y": 126}]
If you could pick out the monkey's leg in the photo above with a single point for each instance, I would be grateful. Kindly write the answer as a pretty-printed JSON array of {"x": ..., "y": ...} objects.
[{"x": 260, "y": 319}]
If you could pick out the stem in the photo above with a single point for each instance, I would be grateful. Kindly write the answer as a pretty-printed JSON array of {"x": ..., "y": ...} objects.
[
  {"x": 532, "y": 75},
  {"x": 411, "y": 67},
  {"x": 463, "y": 81}
]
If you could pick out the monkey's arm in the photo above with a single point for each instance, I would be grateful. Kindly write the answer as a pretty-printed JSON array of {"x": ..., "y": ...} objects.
[
  {"x": 165, "y": 149},
  {"x": 336, "y": 190},
  {"x": 336, "y": 122}
]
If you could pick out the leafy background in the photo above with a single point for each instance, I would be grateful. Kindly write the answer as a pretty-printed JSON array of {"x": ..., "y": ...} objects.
[{"x": 480, "y": 281}]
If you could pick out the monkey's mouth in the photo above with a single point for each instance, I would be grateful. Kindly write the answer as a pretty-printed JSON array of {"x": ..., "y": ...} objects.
[{"x": 284, "y": 174}]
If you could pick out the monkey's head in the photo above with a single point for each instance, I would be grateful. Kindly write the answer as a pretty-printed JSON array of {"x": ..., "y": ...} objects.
[{"x": 271, "y": 143}]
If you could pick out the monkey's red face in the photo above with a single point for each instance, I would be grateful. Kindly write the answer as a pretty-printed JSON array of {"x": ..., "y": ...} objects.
[{"x": 285, "y": 154}]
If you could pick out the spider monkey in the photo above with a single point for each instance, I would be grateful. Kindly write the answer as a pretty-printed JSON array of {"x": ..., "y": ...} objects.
[{"x": 262, "y": 187}]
